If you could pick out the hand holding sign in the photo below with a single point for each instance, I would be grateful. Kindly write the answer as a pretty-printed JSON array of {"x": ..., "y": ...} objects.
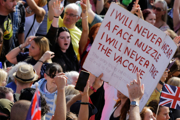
[{"x": 177, "y": 40}]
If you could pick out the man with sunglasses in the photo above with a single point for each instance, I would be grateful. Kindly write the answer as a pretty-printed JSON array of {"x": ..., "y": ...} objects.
[{"x": 48, "y": 87}]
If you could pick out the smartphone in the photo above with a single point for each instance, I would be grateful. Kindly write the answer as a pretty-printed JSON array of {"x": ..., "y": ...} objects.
[{"x": 82, "y": 80}]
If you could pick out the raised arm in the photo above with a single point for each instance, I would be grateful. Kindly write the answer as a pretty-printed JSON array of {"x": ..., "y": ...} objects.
[
  {"x": 91, "y": 14},
  {"x": 136, "y": 91},
  {"x": 84, "y": 109},
  {"x": 60, "y": 112},
  {"x": 39, "y": 11},
  {"x": 11, "y": 56},
  {"x": 176, "y": 8},
  {"x": 57, "y": 11},
  {"x": 96, "y": 84},
  {"x": 53, "y": 31},
  {"x": 99, "y": 6},
  {"x": 46, "y": 56},
  {"x": 51, "y": 11},
  {"x": 85, "y": 32}
]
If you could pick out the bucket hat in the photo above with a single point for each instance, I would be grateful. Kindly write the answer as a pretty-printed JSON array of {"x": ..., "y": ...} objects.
[{"x": 25, "y": 74}]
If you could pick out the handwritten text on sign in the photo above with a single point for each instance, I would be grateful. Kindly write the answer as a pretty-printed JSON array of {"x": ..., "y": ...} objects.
[{"x": 125, "y": 45}]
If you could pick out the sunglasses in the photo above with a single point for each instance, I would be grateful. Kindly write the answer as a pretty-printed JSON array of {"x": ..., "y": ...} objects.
[
  {"x": 51, "y": 76},
  {"x": 157, "y": 9}
]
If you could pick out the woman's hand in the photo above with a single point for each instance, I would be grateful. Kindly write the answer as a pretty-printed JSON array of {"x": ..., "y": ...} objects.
[
  {"x": 56, "y": 8},
  {"x": 28, "y": 41},
  {"x": 177, "y": 40},
  {"x": 98, "y": 82},
  {"x": 47, "y": 55},
  {"x": 135, "y": 89}
]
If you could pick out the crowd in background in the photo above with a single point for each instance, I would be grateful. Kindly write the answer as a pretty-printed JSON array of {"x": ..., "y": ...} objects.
[{"x": 46, "y": 43}]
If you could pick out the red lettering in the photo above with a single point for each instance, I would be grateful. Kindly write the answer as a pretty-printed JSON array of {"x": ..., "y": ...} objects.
[
  {"x": 146, "y": 63},
  {"x": 130, "y": 65},
  {"x": 127, "y": 51},
  {"x": 119, "y": 49},
  {"x": 137, "y": 43},
  {"x": 108, "y": 25},
  {"x": 115, "y": 28},
  {"x": 120, "y": 33},
  {"x": 132, "y": 54},
  {"x": 159, "y": 40},
  {"x": 141, "y": 60},
  {"x": 109, "y": 39},
  {"x": 137, "y": 58},
  {"x": 115, "y": 58},
  {"x": 126, "y": 21},
  {"x": 112, "y": 12},
  {"x": 138, "y": 29},
  {"x": 153, "y": 37},
  {"x": 150, "y": 48},
  {"x": 124, "y": 62},
  {"x": 124, "y": 35},
  {"x": 102, "y": 35},
  {"x": 119, "y": 15},
  {"x": 108, "y": 52},
  {"x": 148, "y": 36},
  {"x": 130, "y": 25},
  {"x": 129, "y": 38},
  {"x": 144, "y": 31},
  {"x": 99, "y": 45}
]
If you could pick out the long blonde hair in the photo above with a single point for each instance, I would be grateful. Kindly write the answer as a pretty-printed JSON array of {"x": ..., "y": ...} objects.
[
  {"x": 165, "y": 8},
  {"x": 43, "y": 44}
]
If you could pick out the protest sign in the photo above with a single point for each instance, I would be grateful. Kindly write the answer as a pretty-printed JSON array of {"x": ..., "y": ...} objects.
[{"x": 125, "y": 45}]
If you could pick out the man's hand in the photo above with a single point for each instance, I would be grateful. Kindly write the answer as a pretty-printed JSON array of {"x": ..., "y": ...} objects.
[{"x": 56, "y": 8}]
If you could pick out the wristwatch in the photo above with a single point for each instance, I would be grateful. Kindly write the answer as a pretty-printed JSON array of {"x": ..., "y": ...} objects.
[
  {"x": 20, "y": 47},
  {"x": 134, "y": 103}
]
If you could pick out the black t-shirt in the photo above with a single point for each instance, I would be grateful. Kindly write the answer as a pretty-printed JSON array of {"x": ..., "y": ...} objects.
[
  {"x": 113, "y": 118},
  {"x": 6, "y": 25}
]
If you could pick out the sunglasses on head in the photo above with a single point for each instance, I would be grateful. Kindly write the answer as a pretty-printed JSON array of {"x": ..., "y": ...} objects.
[{"x": 157, "y": 8}]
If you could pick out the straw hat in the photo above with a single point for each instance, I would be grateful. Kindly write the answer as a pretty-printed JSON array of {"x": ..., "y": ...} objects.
[{"x": 25, "y": 74}]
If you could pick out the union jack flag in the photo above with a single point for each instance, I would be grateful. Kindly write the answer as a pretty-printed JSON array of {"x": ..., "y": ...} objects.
[
  {"x": 34, "y": 112},
  {"x": 170, "y": 96}
]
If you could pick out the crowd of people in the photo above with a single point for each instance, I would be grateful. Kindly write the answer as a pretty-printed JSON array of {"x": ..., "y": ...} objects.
[{"x": 43, "y": 45}]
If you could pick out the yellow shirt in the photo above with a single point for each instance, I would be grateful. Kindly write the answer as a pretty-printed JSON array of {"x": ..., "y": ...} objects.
[
  {"x": 75, "y": 35},
  {"x": 154, "y": 96}
]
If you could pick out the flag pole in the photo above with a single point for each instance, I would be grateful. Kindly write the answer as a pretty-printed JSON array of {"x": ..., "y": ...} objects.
[{"x": 157, "y": 110}]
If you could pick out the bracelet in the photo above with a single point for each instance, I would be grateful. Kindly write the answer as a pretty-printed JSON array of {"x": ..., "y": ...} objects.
[
  {"x": 84, "y": 103},
  {"x": 93, "y": 89},
  {"x": 56, "y": 16},
  {"x": 84, "y": 17},
  {"x": 40, "y": 61},
  {"x": 158, "y": 90},
  {"x": 160, "y": 82},
  {"x": 20, "y": 47}
]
